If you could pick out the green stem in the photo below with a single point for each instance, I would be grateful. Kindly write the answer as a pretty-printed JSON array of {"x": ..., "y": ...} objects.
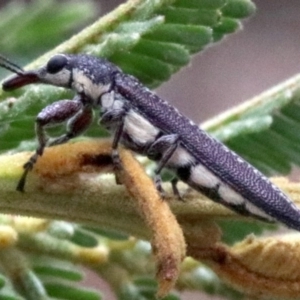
[{"x": 90, "y": 199}]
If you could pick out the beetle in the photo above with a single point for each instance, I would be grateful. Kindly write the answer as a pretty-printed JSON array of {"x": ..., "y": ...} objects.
[{"x": 148, "y": 125}]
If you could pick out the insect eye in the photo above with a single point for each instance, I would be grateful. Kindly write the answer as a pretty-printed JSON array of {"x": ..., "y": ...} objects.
[{"x": 56, "y": 63}]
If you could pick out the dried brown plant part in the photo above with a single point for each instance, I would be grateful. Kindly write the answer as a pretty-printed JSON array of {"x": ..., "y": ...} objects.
[
  {"x": 196, "y": 216},
  {"x": 167, "y": 237},
  {"x": 8, "y": 236},
  {"x": 168, "y": 242},
  {"x": 73, "y": 158},
  {"x": 263, "y": 268},
  {"x": 266, "y": 268},
  {"x": 201, "y": 236}
]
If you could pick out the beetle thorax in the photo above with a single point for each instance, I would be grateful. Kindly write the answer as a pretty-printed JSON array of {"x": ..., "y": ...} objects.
[{"x": 85, "y": 84}]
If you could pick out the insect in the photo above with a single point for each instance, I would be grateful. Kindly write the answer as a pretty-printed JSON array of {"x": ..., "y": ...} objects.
[{"x": 148, "y": 125}]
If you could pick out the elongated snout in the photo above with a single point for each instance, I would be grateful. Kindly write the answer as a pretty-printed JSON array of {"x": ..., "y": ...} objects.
[{"x": 20, "y": 79}]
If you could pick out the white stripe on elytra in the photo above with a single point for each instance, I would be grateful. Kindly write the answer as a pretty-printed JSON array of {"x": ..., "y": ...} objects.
[
  {"x": 256, "y": 211},
  {"x": 139, "y": 128},
  {"x": 180, "y": 157},
  {"x": 203, "y": 177}
]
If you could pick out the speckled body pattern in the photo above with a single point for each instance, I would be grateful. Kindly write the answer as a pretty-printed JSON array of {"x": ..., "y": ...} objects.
[
  {"x": 150, "y": 126},
  {"x": 215, "y": 156}
]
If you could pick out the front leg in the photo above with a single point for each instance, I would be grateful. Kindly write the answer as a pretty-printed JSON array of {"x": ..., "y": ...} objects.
[{"x": 58, "y": 112}]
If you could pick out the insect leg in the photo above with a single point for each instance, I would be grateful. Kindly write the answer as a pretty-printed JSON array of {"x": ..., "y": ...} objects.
[
  {"x": 54, "y": 114},
  {"x": 164, "y": 147},
  {"x": 114, "y": 110},
  {"x": 114, "y": 118},
  {"x": 176, "y": 192},
  {"x": 75, "y": 126}
]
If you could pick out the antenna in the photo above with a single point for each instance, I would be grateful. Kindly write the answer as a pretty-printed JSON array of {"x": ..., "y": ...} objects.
[{"x": 9, "y": 65}]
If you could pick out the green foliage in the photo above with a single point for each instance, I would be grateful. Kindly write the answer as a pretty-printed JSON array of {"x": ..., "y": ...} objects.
[
  {"x": 84, "y": 238},
  {"x": 202, "y": 278},
  {"x": 142, "y": 288},
  {"x": 233, "y": 231},
  {"x": 265, "y": 132},
  {"x": 107, "y": 233},
  {"x": 27, "y": 30},
  {"x": 64, "y": 291},
  {"x": 129, "y": 43},
  {"x": 35, "y": 276}
]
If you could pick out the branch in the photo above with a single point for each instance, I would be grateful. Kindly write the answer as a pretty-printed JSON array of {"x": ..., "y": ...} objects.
[{"x": 73, "y": 182}]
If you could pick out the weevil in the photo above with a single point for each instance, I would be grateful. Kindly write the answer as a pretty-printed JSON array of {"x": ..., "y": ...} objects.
[{"x": 145, "y": 123}]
